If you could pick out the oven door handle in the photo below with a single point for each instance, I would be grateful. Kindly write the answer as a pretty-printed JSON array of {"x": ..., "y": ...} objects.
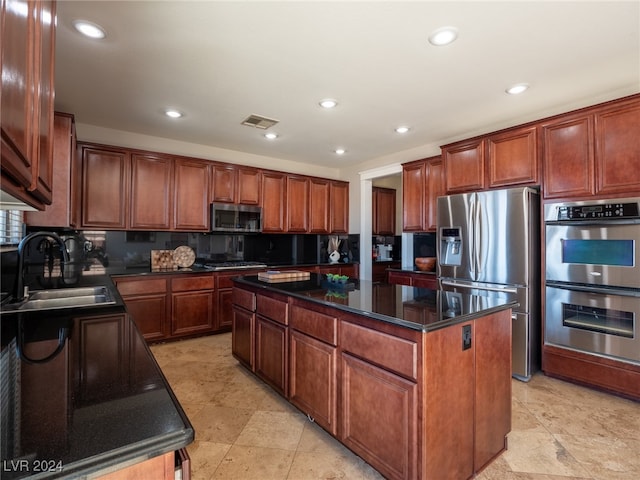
[
  {"x": 623, "y": 292},
  {"x": 597, "y": 222}
]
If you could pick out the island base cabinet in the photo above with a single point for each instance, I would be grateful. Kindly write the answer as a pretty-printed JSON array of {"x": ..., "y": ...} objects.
[
  {"x": 379, "y": 417},
  {"x": 312, "y": 384},
  {"x": 242, "y": 334},
  {"x": 272, "y": 353}
]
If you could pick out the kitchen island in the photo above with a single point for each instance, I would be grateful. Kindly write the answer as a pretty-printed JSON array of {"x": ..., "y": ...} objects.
[
  {"x": 84, "y": 398},
  {"x": 415, "y": 381}
]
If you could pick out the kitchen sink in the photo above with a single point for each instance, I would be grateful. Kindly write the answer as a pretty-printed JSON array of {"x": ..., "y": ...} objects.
[{"x": 63, "y": 298}]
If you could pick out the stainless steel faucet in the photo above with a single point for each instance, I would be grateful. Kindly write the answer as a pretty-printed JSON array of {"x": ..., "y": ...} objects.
[{"x": 19, "y": 289}]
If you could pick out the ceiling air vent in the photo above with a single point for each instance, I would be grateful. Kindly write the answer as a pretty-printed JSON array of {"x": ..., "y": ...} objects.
[{"x": 259, "y": 122}]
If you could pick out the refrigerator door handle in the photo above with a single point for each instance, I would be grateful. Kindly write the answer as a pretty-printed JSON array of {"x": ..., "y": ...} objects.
[
  {"x": 453, "y": 283},
  {"x": 471, "y": 241},
  {"x": 477, "y": 241}
]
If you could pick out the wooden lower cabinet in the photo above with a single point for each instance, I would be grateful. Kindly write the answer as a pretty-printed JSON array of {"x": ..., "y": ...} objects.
[
  {"x": 420, "y": 280},
  {"x": 379, "y": 417},
  {"x": 171, "y": 306},
  {"x": 192, "y": 304},
  {"x": 162, "y": 467},
  {"x": 412, "y": 404},
  {"x": 272, "y": 353}
]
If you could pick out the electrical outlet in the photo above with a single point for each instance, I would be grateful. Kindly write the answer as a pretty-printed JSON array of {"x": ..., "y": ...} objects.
[{"x": 466, "y": 337}]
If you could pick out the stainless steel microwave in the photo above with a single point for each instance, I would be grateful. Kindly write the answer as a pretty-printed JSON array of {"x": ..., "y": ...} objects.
[{"x": 227, "y": 217}]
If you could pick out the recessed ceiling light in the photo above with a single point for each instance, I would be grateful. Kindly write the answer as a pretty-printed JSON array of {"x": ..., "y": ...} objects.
[
  {"x": 340, "y": 151},
  {"x": 173, "y": 113},
  {"x": 443, "y": 36},
  {"x": 89, "y": 29},
  {"x": 271, "y": 136},
  {"x": 516, "y": 89},
  {"x": 402, "y": 129},
  {"x": 328, "y": 103}
]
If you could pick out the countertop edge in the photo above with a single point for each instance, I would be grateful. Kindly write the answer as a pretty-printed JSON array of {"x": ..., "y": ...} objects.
[{"x": 384, "y": 318}]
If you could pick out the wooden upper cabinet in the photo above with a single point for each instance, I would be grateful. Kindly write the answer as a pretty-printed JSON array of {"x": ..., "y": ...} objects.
[
  {"x": 233, "y": 184},
  {"x": 249, "y": 186},
  {"x": 28, "y": 46},
  {"x": 297, "y": 204},
  {"x": 223, "y": 184},
  {"x": 339, "y": 207},
  {"x": 413, "y": 196},
  {"x": 384, "y": 211},
  {"x": 435, "y": 189},
  {"x": 513, "y": 157},
  {"x": 151, "y": 192},
  {"x": 105, "y": 187},
  {"x": 464, "y": 166},
  {"x": 568, "y": 157},
  {"x": 191, "y": 195},
  {"x": 617, "y": 148},
  {"x": 500, "y": 160},
  {"x": 274, "y": 206},
  {"x": 319, "y": 205},
  {"x": 62, "y": 211}
]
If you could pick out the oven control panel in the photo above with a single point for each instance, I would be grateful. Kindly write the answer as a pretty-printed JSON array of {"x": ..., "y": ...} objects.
[{"x": 604, "y": 211}]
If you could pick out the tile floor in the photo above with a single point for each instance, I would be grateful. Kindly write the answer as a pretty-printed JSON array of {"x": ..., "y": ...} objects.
[{"x": 245, "y": 431}]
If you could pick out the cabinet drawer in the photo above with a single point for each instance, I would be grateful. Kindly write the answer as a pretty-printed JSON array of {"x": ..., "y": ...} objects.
[
  {"x": 393, "y": 353},
  {"x": 244, "y": 299},
  {"x": 225, "y": 281},
  {"x": 315, "y": 324},
  {"x": 140, "y": 287},
  {"x": 192, "y": 283},
  {"x": 271, "y": 308}
]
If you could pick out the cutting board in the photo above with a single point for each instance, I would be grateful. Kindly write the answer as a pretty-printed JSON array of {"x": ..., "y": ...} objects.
[{"x": 274, "y": 276}]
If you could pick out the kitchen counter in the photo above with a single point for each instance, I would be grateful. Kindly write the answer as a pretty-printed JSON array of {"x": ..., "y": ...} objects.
[
  {"x": 420, "y": 309},
  {"x": 82, "y": 393}
]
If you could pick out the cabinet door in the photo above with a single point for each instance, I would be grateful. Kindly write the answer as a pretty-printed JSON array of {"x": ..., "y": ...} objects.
[
  {"x": 147, "y": 303},
  {"x": 223, "y": 186},
  {"x": 249, "y": 186},
  {"x": 413, "y": 196},
  {"x": 42, "y": 183},
  {"x": 242, "y": 345},
  {"x": 297, "y": 204},
  {"x": 225, "y": 306},
  {"x": 435, "y": 189},
  {"x": 399, "y": 278},
  {"x": 384, "y": 211},
  {"x": 150, "y": 314},
  {"x": 339, "y": 209},
  {"x": 272, "y": 353},
  {"x": 464, "y": 166},
  {"x": 513, "y": 157},
  {"x": 192, "y": 311},
  {"x": 61, "y": 211},
  {"x": 151, "y": 192},
  {"x": 274, "y": 207},
  {"x": 618, "y": 149},
  {"x": 105, "y": 187},
  {"x": 191, "y": 200},
  {"x": 568, "y": 157},
  {"x": 379, "y": 417},
  {"x": 312, "y": 379},
  {"x": 319, "y": 194}
]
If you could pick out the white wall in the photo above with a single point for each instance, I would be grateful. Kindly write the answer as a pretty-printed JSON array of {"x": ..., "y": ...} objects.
[{"x": 107, "y": 136}]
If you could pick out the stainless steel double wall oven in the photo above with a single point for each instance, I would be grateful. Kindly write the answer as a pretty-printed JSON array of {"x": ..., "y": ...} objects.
[{"x": 593, "y": 277}]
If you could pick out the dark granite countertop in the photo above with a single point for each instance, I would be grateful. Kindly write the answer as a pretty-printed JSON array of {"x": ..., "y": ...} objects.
[
  {"x": 99, "y": 402},
  {"x": 413, "y": 270},
  {"x": 411, "y": 307}
]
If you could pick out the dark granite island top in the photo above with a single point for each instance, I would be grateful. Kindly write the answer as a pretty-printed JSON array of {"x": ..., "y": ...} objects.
[
  {"x": 420, "y": 309},
  {"x": 82, "y": 395}
]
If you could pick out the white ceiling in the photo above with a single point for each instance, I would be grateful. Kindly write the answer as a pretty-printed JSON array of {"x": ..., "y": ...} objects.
[{"x": 220, "y": 62}]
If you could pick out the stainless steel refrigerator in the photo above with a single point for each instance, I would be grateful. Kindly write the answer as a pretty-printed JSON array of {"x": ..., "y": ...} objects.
[{"x": 489, "y": 244}]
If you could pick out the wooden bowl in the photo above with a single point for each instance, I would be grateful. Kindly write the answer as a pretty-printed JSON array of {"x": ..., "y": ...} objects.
[{"x": 425, "y": 264}]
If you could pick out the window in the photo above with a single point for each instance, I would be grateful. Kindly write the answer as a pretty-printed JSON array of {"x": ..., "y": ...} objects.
[{"x": 11, "y": 231}]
